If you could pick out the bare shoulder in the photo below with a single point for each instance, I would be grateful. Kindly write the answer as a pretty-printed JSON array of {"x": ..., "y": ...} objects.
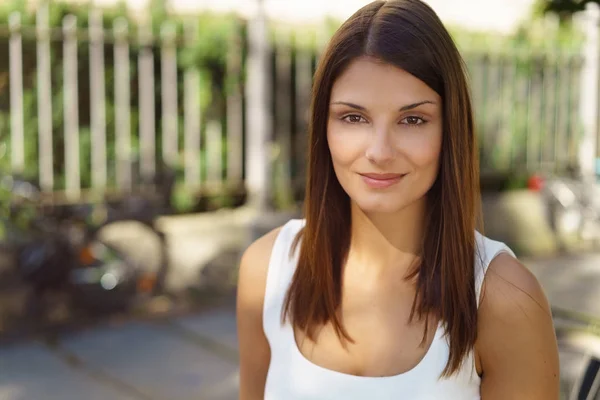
[
  {"x": 509, "y": 285},
  {"x": 254, "y": 349},
  {"x": 516, "y": 342},
  {"x": 254, "y": 266}
]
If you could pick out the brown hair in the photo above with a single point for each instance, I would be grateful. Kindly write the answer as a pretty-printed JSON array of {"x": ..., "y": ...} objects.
[{"x": 409, "y": 35}]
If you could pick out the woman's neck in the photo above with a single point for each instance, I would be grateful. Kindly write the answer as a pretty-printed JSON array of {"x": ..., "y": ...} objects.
[{"x": 382, "y": 240}]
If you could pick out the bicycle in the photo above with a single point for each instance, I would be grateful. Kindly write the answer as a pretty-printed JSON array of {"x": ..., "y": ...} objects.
[
  {"x": 579, "y": 348},
  {"x": 65, "y": 249}
]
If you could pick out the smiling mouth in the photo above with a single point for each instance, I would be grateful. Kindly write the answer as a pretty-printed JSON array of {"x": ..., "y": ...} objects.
[{"x": 381, "y": 181}]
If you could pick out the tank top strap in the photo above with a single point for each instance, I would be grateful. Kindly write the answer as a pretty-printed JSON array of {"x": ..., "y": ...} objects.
[
  {"x": 282, "y": 265},
  {"x": 486, "y": 250}
]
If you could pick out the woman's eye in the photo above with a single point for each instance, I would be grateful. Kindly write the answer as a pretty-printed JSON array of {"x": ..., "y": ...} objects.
[
  {"x": 413, "y": 121},
  {"x": 353, "y": 118}
]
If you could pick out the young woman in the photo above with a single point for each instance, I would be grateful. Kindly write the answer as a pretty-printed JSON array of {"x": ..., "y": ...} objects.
[{"x": 386, "y": 290}]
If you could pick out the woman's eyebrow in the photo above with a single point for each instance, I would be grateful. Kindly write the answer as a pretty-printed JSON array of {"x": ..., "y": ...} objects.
[
  {"x": 415, "y": 105},
  {"x": 351, "y": 105},
  {"x": 404, "y": 108}
]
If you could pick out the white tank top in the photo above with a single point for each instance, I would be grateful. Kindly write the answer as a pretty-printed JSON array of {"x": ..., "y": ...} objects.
[{"x": 291, "y": 376}]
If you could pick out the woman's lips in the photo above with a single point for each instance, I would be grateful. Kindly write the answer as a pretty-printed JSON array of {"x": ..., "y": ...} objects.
[{"x": 381, "y": 181}]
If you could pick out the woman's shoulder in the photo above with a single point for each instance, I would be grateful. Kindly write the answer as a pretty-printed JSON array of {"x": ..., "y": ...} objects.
[
  {"x": 487, "y": 248},
  {"x": 256, "y": 256},
  {"x": 254, "y": 263},
  {"x": 515, "y": 329},
  {"x": 259, "y": 251},
  {"x": 509, "y": 278},
  {"x": 252, "y": 277}
]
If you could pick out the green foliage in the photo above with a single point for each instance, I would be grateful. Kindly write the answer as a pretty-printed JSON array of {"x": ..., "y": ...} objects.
[
  {"x": 183, "y": 200},
  {"x": 566, "y": 7},
  {"x": 535, "y": 35}
]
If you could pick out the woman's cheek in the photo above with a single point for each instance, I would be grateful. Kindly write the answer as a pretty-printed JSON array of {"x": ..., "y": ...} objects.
[{"x": 346, "y": 145}]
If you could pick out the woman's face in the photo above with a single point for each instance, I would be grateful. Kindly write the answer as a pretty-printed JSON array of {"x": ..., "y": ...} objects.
[{"x": 384, "y": 134}]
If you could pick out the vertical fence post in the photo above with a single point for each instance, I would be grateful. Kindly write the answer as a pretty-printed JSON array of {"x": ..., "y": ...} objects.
[
  {"x": 557, "y": 120},
  {"x": 44, "y": 93},
  {"x": 192, "y": 114},
  {"x": 303, "y": 90},
  {"x": 547, "y": 134},
  {"x": 214, "y": 154},
  {"x": 234, "y": 111},
  {"x": 589, "y": 104},
  {"x": 16, "y": 94},
  {"x": 283, "y": 116},
  {"x": 574, "y": 108},
  {"x": 97, "y": 101},
  {"x": 562, "y": 137},
  {"x": 122, "y": 105},
  {"x": 71, "y": 107},
  {"x": 534, "y": 142},
  {"x": 146, "y": 101},
  {"x": 321, "y": 38},
  {"x": 170, "y": 146},
  {"x": 258, "y": 146}
]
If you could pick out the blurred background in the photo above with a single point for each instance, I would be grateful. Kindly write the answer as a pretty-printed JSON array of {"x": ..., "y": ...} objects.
[{"x": 145, "y": 143}]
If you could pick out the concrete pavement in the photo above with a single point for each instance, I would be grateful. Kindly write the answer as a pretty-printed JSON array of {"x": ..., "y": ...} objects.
[
  {"x": 571, "y": 282},
  {"x": 183, "y": 359}
]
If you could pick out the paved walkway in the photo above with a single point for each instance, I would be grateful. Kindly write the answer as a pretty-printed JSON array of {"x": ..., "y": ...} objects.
[
  {"x": 194, "y": 357},
  {"x": 183, "y": 359},
  {"x": 571, "y": 283}
]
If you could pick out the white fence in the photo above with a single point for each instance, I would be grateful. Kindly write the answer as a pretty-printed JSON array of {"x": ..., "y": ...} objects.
[
  {"x": 195, "y": 134},
  {"x": 527, "y": 109}
]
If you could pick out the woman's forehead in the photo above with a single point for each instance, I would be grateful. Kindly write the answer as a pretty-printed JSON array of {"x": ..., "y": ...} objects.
[{"x": 367, "y": 80}]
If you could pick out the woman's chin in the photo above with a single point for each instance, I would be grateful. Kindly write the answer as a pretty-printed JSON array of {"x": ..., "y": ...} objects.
[{"x": 379, "y": 206}]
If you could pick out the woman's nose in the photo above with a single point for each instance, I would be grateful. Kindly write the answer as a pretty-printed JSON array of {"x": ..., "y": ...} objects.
[{"x": 380, "y": 149}]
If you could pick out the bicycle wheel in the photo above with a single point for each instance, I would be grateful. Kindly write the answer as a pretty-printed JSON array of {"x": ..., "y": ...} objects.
[{"x": 143, "y": 245}]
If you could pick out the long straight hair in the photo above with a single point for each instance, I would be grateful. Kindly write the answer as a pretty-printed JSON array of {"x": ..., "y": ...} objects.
[{"x": 409, "y": 35}]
